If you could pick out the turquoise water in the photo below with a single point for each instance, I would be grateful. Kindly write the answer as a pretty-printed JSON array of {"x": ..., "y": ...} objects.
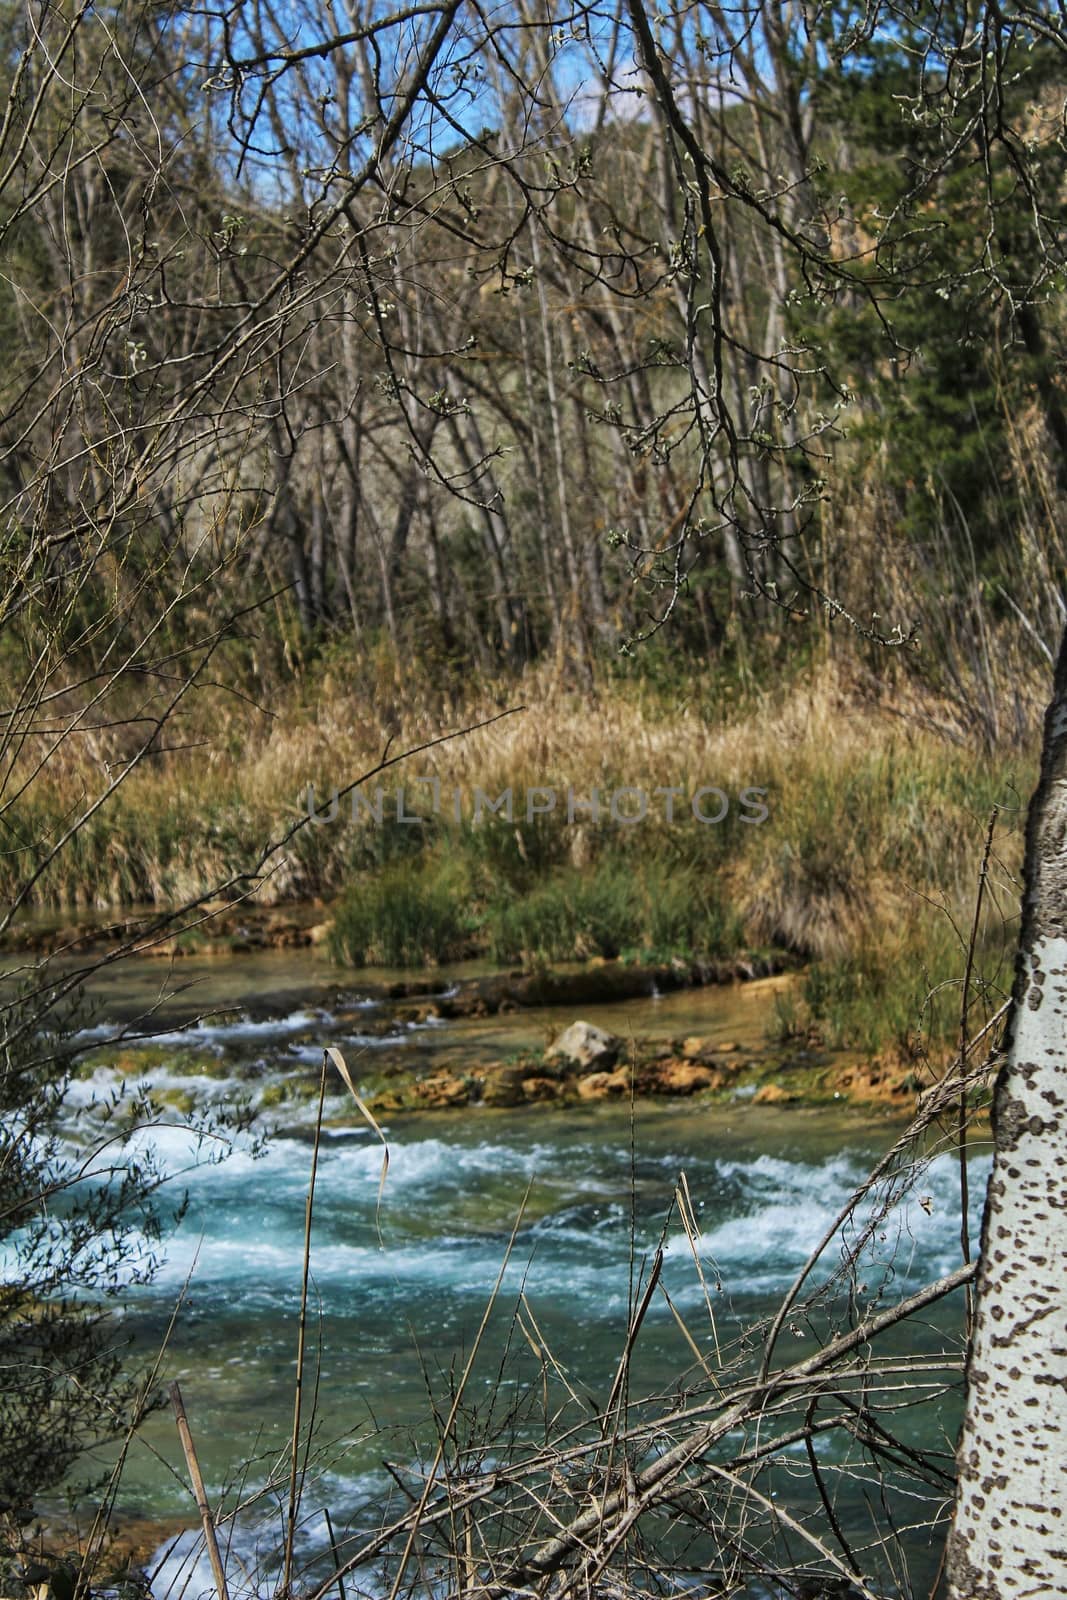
[{"x": 398, "y": 1289}]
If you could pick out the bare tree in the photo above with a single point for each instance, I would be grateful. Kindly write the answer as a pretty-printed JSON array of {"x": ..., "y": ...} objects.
[{"x": 257, "y": 260}]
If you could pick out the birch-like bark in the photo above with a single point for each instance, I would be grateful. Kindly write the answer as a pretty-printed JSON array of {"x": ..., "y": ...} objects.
[{"x": 1009, "y": 1536}]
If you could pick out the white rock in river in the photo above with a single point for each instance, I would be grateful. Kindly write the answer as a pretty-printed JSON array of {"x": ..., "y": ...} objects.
[{"x": 589, "y": 1048}]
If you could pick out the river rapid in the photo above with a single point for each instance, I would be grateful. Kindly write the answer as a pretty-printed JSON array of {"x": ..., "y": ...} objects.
[{"x": 402, "y": 1270}]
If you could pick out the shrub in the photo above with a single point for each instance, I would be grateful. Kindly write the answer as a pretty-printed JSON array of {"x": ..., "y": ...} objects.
[{"x": 405, "y": 917}]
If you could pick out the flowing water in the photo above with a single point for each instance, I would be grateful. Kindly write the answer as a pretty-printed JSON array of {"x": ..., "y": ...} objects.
[{"x": 401, "y": 1273}]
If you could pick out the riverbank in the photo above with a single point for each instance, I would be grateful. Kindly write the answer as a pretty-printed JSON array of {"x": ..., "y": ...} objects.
[
  {"x": 712, "y": 1071},
  {"x": 828, "y": 822},
  {"x": 479, "y": 1042}
]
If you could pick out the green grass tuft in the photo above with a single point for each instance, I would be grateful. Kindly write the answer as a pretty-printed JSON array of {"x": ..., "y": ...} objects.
[{"x": 405, "y": 917}]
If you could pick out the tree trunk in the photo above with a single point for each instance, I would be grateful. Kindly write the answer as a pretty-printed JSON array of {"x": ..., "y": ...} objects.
[{"x": 1009, "y": 1536}]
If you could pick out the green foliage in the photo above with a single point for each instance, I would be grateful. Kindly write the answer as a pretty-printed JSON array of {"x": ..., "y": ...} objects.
[
  {"x": 405, "y": 917},
  {"x": 933, "y": 357},
  {"x": 623, "y": 903},
  {"x": 905, "y": 992},
  {"x": 572, "y": 916},
  {"x": 83, "y": 1211},
  {"x": 70, "y": 1245}
]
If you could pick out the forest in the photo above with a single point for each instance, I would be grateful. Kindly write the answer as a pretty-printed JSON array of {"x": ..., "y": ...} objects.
[{"x": 510, "y": 513}]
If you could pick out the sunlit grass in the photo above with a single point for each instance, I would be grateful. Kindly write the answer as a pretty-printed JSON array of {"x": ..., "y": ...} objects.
[{"x": 866, "y": 865}]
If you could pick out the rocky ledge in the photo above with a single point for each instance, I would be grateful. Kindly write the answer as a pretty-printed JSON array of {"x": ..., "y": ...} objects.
[
  {"x": 598, "y": 982},
  {"x": 586, "y": 1064}
]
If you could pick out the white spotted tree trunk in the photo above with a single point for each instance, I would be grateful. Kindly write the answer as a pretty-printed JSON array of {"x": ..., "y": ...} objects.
[{"x": 1009, "y": 1536}]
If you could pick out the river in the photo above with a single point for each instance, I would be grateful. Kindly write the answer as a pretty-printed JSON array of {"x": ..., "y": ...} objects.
[{"x": 401, "y": 1272}]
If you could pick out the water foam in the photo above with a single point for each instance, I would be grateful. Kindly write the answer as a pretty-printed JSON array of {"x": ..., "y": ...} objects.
[
  {"x": 204, "y": 1032},
  {"x": 790, "y": 1205}
]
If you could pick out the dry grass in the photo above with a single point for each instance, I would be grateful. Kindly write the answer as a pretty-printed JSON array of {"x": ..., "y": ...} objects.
[{"x": 867, "y": 861}]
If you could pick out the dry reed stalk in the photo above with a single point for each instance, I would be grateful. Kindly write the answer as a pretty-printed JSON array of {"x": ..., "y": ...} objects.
[
  {"x": 199, "y": 1491},
  {"x": 298, "y": 1387},
  {"x": 431, "y": 1476},
  {"x": 94, "y": 1543},
  {"x": 961, "y": 1126}
]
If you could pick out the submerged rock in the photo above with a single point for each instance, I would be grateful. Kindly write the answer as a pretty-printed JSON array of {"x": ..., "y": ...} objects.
[
  {"x": 603, "y": 1085},
  {"x": 686, "y": 1077},
  {"x": 541, "y": 1089},
  {"x": 443, "y": 1090},
  {"x": 772, "y": 1094},
  {"x": 503, "y": 1085}
]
